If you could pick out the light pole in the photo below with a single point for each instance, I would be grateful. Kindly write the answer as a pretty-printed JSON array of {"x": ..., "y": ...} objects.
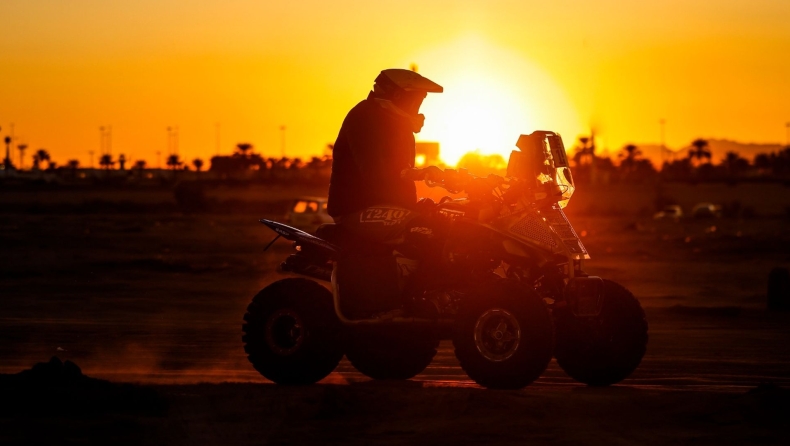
[
  {"x": 105, "y": 140},
  {"x": 282, "y": 141},
  {"x": 175, "y": 140},
  {"x": 787, "y": 126},
  {"x": 12, "y": 134},
  {"x": 172, "y": 140},
  {"x": 218, "y": 140},
  {"x": 90, "y": 153}
]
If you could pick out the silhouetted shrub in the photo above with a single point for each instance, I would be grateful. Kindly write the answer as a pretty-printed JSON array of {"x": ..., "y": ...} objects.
[{"x": 59, "y": 388}]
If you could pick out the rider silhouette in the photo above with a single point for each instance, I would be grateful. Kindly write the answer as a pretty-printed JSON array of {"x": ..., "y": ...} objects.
[
  {"x": 371, "y": 180},
  {"x": 372, "y": 195}
]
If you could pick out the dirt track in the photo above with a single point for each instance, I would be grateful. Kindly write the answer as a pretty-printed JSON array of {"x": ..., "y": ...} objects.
[{"x": 158, "y": 299}]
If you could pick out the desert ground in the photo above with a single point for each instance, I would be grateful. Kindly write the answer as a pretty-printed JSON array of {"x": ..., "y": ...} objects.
[{"x": 133, "y": 290}]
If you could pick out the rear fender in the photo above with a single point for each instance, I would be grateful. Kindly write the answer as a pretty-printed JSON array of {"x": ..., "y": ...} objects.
[{"x": 301, "y": 238}]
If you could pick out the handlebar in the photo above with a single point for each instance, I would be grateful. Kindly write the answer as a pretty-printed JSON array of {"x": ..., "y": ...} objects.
[{"x": 453, "y": 181}]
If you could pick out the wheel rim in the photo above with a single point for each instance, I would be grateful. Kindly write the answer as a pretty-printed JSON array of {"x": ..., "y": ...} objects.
[
  {"x": 497, "y": 334},
  {"x": 284, "y": 332}
]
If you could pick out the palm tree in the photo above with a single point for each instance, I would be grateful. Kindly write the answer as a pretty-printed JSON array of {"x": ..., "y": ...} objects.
[
  {"x": 40, "y": 156},
  {"x": 763, "y": 162},
  {"x": 244, "y": 147},
  {"x": 699, "y": 151},
  {"x": 585, "y": 154},
  {"x": 632, "y": 152},
  {"x": 106, "y": 161},
  {"x": 21, "y": 148},
  {"x": 174, "y": 161},
  {"x": 139, "y": 167},
  {"x": 629, "y": 156},
  {"x": 7, "y": 161},
  {"x": 734, "y": 164},
  {"x": 73, "y": 165},
  {"x": 198, "y": 163}
]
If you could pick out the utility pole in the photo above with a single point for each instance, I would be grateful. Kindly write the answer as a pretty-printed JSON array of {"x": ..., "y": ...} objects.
[
  {"x": 282, "y": 141},
  {"x": 105, "y": 140},
  {"x": 217, "y": 138},
  {"x": 787, "y": 126},
  {"x": 90, "y": 153},
  {"x": 172, "y": 140},
  {"x": 662, "y": 122}
]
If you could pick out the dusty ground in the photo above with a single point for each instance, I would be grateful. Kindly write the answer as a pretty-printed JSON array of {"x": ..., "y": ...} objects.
[{"x": 157, "y": 298}]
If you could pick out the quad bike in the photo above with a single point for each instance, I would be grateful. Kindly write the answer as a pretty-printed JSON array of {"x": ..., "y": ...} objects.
[{"x": 506, "y": 285}]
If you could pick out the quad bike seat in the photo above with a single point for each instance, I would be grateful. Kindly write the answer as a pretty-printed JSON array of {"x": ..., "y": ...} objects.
[{"x": 330, "y": 232}]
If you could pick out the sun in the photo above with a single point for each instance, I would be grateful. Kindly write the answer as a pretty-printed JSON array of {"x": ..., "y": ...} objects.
[
  {"x": 477, "y": 114},
  {"x": 491, "y": 96}
]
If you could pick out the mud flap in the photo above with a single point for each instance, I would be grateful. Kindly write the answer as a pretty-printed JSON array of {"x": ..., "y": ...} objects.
[
  {"x": 585, "y": 296},
  {"x": 367, "y": 284}
]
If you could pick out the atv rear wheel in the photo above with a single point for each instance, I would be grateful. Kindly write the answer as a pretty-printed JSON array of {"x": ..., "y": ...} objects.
[
  {"x": 291, "y": 333},
  {"x": 606, "y": 349},
  {"x": 504, "y": 336},
  {"x": 392, "y": 352}
]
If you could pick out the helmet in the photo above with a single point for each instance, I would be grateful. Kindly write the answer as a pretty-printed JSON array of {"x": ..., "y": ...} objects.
[
  {"x": 407, "y": 80},
  {"x": 405, "y": 88}
]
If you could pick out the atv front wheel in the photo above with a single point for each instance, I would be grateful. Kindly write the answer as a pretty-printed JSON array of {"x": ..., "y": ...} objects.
[
  {"x": 291, "y": 332},
  {"x": 392, "y": 352},
  {"x": 606, "y": 349},
  {"x": 504, "y": 336}
]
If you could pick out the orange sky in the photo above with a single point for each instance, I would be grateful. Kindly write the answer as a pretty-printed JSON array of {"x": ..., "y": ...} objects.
[{"x": 711, "y": 68}]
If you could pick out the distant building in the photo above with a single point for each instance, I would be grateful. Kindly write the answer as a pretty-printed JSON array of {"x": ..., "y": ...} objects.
[{"x": 426, "y": 152}]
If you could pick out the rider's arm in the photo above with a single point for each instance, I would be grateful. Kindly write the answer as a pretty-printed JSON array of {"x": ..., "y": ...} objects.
[{"x": 430, "y": 173}]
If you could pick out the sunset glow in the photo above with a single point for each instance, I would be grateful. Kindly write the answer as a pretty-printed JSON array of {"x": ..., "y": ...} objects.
[
  {"x": 491, "y": 96},
  {"x": 710, "y": 69}
]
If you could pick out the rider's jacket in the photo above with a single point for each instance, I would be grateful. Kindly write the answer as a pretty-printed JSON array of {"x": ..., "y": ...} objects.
[{"x": 374, "y": 145}]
